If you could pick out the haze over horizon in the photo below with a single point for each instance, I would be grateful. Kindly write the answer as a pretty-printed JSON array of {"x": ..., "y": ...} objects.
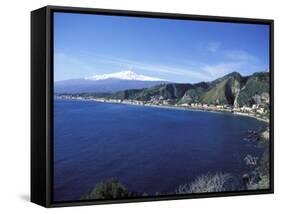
[
  {"x": 131, "y": 75},
  {"x": 173, "y": 50}
]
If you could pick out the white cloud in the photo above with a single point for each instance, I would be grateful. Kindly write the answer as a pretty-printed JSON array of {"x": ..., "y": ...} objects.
[
  {"x": 69, "y": 67},
  {"x": 240, "y": 55},
  {"x": 221, "y": 69},
  {"x": 231, "y": 60},
  {"x": 189, "y": 71},
  {"x": 159, "y": 68},
  {"x": 213, "y": 47},
  {"x": 65, "y": 58}
]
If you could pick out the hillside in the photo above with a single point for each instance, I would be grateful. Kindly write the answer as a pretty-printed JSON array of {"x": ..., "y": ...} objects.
[
  {"x": 255, "y": 90},
  {"x": 232, "y": 89},
  {"x": 161, "y": 92}
]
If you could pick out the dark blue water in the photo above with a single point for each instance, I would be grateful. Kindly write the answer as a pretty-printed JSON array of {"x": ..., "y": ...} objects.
[{"x": 148, "y": 149}]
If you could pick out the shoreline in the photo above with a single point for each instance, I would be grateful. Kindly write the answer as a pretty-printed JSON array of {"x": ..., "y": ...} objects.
[{"x": 202, "y": 109}]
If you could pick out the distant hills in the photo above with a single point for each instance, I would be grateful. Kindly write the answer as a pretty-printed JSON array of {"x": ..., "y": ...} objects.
[
  {"x": 107, "y": 83},
  {"x": 232, "y": 89}
]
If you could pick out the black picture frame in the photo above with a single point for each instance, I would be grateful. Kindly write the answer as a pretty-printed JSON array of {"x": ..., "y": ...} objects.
[{"x": 42, "y": 103}]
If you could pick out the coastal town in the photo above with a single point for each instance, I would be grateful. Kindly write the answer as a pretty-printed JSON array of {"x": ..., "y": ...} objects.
[{"x": 256, "y": 111}]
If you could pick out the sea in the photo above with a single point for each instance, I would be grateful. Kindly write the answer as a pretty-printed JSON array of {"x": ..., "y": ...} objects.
[{"x": 148, "y": 149}]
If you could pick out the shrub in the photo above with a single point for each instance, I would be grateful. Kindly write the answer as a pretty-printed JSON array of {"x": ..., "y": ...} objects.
[
  {"x": 259, "y": 178},
  {"x": 250, "y": 160},
  {"x": 263, "y": 183},
  {"x": 206, "y": 183},
  {"x": 108, "y": 190}
]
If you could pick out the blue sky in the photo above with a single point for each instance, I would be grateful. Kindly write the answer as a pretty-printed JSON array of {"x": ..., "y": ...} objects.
[{"x": 175, "y": 50}]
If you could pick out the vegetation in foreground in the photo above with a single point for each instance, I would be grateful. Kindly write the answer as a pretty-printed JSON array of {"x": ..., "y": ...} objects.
[
  {"x": 206, "y": 183},
  {"x": 110, "y": 189},
  {"x": 257, "y": 178}
]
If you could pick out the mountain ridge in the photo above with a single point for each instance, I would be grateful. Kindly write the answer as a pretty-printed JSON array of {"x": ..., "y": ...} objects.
[
  {"x": 107, "y": 83},
  {"x": 124, "y": 75},
  {"x": 232, "y": 89}
]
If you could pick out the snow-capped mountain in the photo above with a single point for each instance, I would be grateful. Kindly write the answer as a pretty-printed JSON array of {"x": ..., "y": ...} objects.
[
  {"x": 124, "y": 75},
  {"x": 107, "y": 83}
]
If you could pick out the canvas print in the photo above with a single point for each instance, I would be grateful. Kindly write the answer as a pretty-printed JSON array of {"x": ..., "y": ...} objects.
[{"x": 149, "y": 107}]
